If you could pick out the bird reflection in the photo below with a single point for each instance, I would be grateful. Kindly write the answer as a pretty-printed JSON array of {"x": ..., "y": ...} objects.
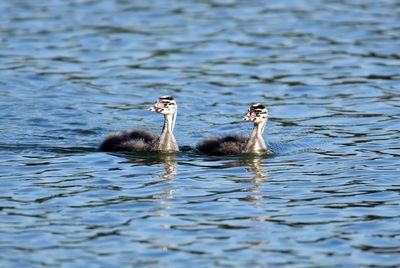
[
  {"x": 254, "y": 165},
  {"x": 168, "y": 160}
]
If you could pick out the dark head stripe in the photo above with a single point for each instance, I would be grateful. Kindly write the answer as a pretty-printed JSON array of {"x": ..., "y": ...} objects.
[
  {"x": 168, "y": 103},
  {"x": 166, "y": 98},
  {"x": 257, "y": 106}
]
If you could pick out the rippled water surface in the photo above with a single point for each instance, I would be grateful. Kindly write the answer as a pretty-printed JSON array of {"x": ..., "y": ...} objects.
[{"x": 73, "y": 71}]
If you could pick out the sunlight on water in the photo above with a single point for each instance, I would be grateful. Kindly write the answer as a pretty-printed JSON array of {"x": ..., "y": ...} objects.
[{"x": 74, "y": 71}]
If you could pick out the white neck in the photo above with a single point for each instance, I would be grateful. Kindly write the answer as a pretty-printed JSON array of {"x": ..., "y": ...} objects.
[
  {"x": 167, "y": 140},
  {"x": 256, "y": 143},
  {"x": 174, "y": 118}
]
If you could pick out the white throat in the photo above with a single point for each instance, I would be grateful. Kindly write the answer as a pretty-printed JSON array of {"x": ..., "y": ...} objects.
[
  {"x": 167, "y": 141},
  {"x": 256, "y": 143}
]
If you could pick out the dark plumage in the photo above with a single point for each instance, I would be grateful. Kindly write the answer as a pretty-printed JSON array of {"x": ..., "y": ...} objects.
[
  {"x": 257, "y": 106},
  {"x": 166, "y": 98},
  {"x": 255, "y": 143},
  {"x": 143, "y": 140},
  {"x": 129, "y": 141},
  {"x": 223, "y": 145}
]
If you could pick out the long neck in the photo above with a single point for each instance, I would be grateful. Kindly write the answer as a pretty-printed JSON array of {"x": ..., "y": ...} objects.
[
  {"x": 168, "y": 126},
  {"x": 167, "y": 140},
  {"x": 256, "y": 143}
]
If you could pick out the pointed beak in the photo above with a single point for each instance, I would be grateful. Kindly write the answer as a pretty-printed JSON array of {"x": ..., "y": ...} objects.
[{"x": 152, "y": 109}]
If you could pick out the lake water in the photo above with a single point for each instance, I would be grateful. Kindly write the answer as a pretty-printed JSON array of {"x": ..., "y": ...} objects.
[{"x": 73, "y": 71}]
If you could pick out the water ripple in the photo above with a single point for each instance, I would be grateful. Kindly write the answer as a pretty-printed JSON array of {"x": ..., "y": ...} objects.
[{"x": 73, "y": 71}]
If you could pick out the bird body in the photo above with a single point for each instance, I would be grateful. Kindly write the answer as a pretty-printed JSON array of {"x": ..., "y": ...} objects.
[
  {"x": 235, "y": 144},
  {"x": 144, "y": 140},
  {"x": 223, "y": 145},
  {"x": 130, "y": 141}
]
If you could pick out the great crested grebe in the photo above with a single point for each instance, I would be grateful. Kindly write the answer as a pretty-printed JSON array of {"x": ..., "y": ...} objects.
[
  {"x": 235, "y": 144},
  {"x": 143, "y": 140}
]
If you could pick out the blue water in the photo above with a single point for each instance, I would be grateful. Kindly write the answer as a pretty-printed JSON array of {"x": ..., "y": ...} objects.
[{"x": 73, "y": 71}]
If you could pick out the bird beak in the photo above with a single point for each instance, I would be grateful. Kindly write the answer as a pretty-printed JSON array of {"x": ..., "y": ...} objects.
[{"x": 152, "y": 109}]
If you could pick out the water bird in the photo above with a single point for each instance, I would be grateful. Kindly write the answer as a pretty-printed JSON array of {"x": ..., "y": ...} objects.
[
  {"x": 137, "y": 140},
  {"x": 235, "y": 144}
]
